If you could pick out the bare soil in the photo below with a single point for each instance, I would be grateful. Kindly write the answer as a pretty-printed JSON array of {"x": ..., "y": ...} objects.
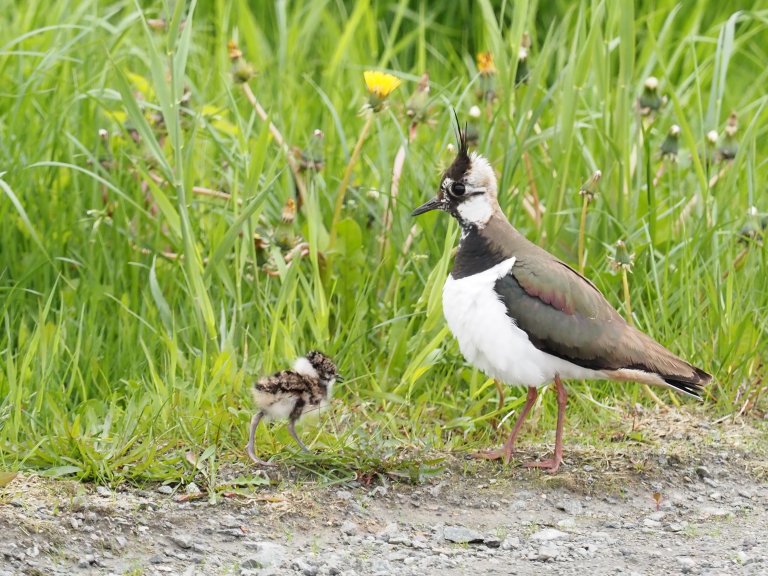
[{"x": 692, "y": 497}]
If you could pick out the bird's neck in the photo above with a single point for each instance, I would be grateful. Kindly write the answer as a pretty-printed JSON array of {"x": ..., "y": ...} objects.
[{"x": 481, "y": 248}]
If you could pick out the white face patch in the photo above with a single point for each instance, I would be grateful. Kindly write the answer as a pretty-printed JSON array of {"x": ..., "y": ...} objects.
[
  {"x": 304, "y": 366},
  {"x": 475, "y": 210}
]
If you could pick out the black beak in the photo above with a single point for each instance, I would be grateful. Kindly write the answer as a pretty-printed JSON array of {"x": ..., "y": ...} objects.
[{"x": 434, "y": 204}]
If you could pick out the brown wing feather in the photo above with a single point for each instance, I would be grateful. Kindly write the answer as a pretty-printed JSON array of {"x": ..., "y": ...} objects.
[{"x": 565, "y": 315}]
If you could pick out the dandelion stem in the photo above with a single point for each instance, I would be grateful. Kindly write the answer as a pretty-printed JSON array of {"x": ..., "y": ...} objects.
[
  {"x": 280, "y": 141},
  {"x": 582, "y": 231},
  {"x": 348, "y": 175},
  {"x": 397, "y": 172},
  {"x": 627, "y": 300}
]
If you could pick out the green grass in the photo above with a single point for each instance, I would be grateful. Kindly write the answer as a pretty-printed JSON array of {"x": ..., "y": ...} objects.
[{"x": 136, "y": 311}]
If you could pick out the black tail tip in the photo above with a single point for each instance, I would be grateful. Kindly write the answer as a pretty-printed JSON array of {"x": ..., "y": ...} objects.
[{"x": 693, "y": 385}]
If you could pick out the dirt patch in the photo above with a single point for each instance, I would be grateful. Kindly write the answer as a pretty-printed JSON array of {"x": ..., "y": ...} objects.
[{"x": 691, "y": 497}]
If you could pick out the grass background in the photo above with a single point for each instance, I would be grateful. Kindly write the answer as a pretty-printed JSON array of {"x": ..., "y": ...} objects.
[{"x": 136, "y": 311}]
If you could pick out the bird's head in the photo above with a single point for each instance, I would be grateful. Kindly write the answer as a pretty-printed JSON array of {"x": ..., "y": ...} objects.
[{"x": 468, "y": 188}]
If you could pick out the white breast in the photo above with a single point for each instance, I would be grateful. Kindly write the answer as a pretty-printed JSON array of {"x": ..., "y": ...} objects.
[{"x": 489, "y": 339}]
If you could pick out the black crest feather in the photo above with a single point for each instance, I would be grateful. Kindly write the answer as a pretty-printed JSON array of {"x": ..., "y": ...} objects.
[{"x": 462, "y": 162}]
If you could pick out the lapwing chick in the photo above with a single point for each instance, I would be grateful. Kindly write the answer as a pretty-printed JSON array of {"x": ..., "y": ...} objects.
[
  {"x": 526, "y": 318},
  {"x": 290, "y": 394}
]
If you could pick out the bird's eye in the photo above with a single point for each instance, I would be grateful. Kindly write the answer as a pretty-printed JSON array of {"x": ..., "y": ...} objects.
[{"x": 458, "y": 189}]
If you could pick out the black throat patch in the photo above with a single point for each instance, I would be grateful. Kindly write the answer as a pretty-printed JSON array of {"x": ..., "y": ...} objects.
[{"x": 476, "y": 253}]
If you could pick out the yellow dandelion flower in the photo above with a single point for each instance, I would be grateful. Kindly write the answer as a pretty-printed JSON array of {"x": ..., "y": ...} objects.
[
  {"x": 485, "y": 63},
  {"x": 379, "y": 85}
]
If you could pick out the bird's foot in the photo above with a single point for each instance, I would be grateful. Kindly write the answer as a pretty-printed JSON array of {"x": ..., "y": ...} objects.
[
  {"x": 495, "y": 454},
  {"x": 258, "y": 461},
  {"x": 550, "y": 465}
]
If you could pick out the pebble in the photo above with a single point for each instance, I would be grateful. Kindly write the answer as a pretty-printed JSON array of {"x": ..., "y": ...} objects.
[
  {"x": 349, "y": 528},
  {"x": 714, "y": 511},
  {"x": 183, "y": 541},
  {"x": 686, "y": 564},
  {"x": 510, "y": 543},
  {"x": 461, "y": 535},
  {"x": 390, "y": 531},
  {"x": 268, "y": 554},
  {"x": 86, "y": 561},
  {"x": 165, "y": 489},
  {"x": 678, "y": 526},
  {"x": 648, "y": 523},
  {"x": 192, "y": 488},
  {"x": 657, "y": 515},
  {"x": 572, "y": 507},
  {"x": 103, "y": 491},
  {"x": 548, "y": 552},
  {"x": 744, "y": 493},
  {"x": 343, "y": 494},
  {"x": 703, "y": 472},
  {"x": 566, "y": 523},
  {"x": 743, "y": 557},
  {"x": 548, "y": 534},
  {"x": 305, "y": 567},
  {"x": 492, "y": 541}
]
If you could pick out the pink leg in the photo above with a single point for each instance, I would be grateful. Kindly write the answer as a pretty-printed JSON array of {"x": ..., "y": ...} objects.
[
  {"x": 505, "y": 452},
  {"x": 553, "y": 463}
]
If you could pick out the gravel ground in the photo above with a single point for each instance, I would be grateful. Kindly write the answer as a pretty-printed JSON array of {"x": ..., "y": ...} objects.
[{"x": 691, "y": 500}]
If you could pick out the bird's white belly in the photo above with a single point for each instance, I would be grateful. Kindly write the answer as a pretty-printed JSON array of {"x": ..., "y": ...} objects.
[{"x": 490, "y": 340}]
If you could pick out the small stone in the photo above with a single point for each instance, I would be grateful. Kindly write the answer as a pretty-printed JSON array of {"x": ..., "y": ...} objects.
[
  {"x": 305, "y": 567},
  {"x": 379, "y": 491},
  {"x": 268, "y": 554},
  {"x": 742, "y": 557},
  {"x": 121, "y": 541},
  {"x": 677, "y": 526},
  {"x": 461, "y": 535},
  {"x": 566, "y": 523},
  {"x": 344, "y": 495},
  {"x": 572, "y": 507},
  {"x": 510, "y": 543},
  {"x": 103, "y": 491},
  {"x": 86, "y": 561},
  {"x": 165, "y": 489},
  {"x": 381, "y": 566},
  {"x": 548, "y": 534},
  {"x": 349, "y": 528},
  {"x": 686, "y": 564},
  {"x": 492, "y": 541},
  {"x": 390, "y": 531},
  {"x": 74, "y": 523},
  {"x": 648, "y": 523},
  {"x": 250, "y": 564},
  {"x": 744, "y": 493},
  {"x": 181, "y": 540},
  {"x": 192, "y": 488},
  {"x": 714, "y": 511},
  {"x": 703, "y": 472},
  {"x": 548, "y": 552},
  {"x": 656, "y": 515}
]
